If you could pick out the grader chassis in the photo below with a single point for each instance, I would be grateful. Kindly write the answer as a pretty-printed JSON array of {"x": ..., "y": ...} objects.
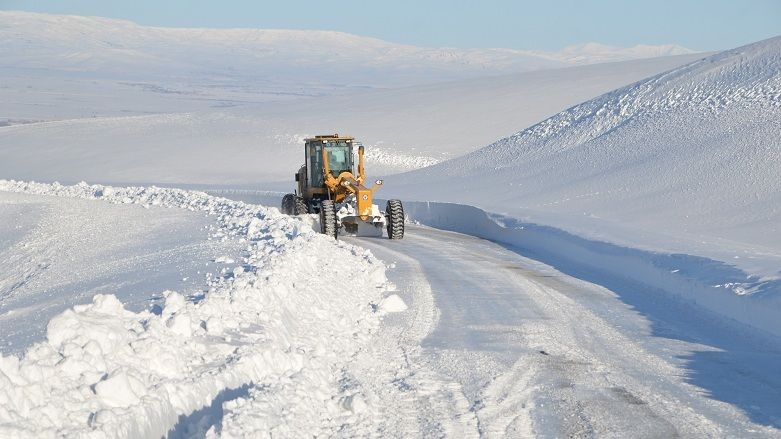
[{"x": 328, "y": 186}]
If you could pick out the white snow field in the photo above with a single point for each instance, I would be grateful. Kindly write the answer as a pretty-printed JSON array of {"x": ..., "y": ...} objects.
[
  {"x": 94, "y": 99},
  {"x": 58, "y": 252},
  {"x": 674, "y": 180},
  {"x": 403, "y": 129}
]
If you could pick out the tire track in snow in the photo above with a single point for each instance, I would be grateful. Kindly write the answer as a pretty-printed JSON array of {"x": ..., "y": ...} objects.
[{"x": 413, "y": 400}]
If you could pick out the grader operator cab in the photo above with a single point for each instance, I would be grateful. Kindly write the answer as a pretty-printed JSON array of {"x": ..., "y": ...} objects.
[{"x": 329, "y": 186}]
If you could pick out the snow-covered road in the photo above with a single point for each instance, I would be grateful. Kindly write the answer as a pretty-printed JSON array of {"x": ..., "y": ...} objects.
[
  {"x": 456, "y": 337},
  {"x": 497, "y": 344}
]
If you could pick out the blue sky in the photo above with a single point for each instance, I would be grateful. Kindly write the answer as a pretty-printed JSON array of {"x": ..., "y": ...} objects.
[{"x": 537, "y": 25}]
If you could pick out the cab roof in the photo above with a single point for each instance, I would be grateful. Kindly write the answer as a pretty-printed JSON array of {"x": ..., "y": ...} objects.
[{"x": 329, "y": 137}]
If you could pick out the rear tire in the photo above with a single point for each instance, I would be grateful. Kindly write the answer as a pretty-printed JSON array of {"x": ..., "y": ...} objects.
[
  {"x": 288, "y": 204},
  {"x": 294, "y": 205},
  {"x": 328, "y": 219},
  {"x": 395, "y": 216},
  {"x": 301, "y": 207}
]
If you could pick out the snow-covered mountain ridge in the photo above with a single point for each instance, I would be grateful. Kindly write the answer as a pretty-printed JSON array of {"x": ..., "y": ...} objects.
[
  {"x": 595, "y": 52},
  {"x": 685, "y": 161},
  {"x": 305, "y": 61}
]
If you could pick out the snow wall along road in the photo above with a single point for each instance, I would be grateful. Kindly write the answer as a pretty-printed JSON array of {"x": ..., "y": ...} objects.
[{"x": 712, "y": 284}]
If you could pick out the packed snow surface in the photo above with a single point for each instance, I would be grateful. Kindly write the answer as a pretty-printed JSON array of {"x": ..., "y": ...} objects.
[
  {"x": 497, "y": 345},
  {"x": 284, "y": 321},
  {"x": 687, "y": 161}
]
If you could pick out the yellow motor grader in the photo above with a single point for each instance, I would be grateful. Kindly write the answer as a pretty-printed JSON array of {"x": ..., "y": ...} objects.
[{"x": 328, "y": 185}]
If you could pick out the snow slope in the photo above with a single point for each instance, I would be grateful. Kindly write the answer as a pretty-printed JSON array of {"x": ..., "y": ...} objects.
[
  {"x": 684, "y": 162},
  {"x": 273, "y": 325},
  {"x": 403, "y": 128}
]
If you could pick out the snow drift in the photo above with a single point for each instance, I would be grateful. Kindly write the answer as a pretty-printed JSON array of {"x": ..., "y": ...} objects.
[
  {"x": 686, "y": 161},
  {"x": 274, "y": 325}
]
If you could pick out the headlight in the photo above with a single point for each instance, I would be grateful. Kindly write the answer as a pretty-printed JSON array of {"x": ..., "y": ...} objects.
[
  {"x": 346, "y": 183},
  {"x": 378, "y": 182}
]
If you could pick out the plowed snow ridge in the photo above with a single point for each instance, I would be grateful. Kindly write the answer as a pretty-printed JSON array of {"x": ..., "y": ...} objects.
[{"x": 276, "y": 324}]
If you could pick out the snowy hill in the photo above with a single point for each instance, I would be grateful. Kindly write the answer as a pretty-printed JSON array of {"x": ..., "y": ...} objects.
[
  {"x": 686, "y": 161},
  {"x": 152, "y": 105},
  {"x": 193, "y": 142}
]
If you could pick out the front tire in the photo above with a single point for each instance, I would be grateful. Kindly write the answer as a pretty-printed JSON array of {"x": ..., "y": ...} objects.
[
  {"x": 395, "y": 216},
  {"x": 328, "y": 224}
]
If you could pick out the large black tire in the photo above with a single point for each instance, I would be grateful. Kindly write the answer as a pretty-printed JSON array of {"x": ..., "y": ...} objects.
[
  {"x": 328, "y": 219},
  {"x": 288, "y": 204},
  {"x": 395, "y": 216},
  {"x": 301, "y": 207}
]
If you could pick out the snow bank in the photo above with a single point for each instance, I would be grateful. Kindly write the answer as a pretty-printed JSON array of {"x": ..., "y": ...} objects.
[
  {"x": 711, "y": 284},
  {"x": 687, "y": 161},
  {"x": 280, "y": 326}
]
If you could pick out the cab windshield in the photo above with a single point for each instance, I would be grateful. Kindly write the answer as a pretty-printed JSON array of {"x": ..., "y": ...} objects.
[{"x": 339, "y": 159}]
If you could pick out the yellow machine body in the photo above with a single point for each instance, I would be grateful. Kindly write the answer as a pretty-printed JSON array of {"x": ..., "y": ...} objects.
[
  {"x": 337, "y": 184},
  {"x": 330, "y": 185}
]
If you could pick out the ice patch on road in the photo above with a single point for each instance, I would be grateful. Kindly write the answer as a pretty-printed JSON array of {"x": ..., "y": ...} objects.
[{"x": 282, "y": 325}]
